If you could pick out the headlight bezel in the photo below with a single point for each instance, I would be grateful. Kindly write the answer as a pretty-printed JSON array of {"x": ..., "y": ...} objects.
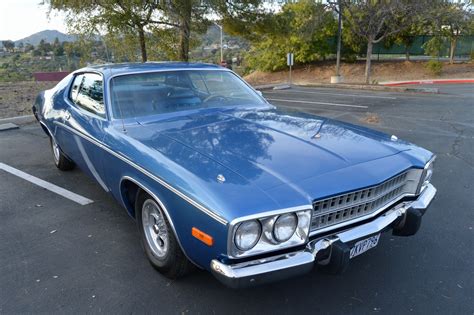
[{"x": 267, "y": 242}]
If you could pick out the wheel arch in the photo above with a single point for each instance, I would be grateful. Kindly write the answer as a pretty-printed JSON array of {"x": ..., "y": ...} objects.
[{"x": 129, "y": 188}]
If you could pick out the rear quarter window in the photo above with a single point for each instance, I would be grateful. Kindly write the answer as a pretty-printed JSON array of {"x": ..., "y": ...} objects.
[{"x": 87, "y": 93}]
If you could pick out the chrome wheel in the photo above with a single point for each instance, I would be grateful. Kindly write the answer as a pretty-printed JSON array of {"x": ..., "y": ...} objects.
[
  {"x": 154, "y": 226},
  {"x": 56, "y": 151}
]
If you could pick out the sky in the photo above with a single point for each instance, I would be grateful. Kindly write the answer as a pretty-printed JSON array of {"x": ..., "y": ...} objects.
[{"x": 21, "y": 18}]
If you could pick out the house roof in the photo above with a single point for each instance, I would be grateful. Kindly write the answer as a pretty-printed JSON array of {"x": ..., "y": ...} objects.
[{"x": 50, "y": 76}]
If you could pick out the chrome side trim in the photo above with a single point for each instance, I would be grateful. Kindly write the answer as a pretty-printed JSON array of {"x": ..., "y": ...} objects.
[
  {"x": 90, "y": 165},
  {"x": 161, "y": 204},
  {"x": 207, "y": 211},
  {"x": 44, "y": 125}
]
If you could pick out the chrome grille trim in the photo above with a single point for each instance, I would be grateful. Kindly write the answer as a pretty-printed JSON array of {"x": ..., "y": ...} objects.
[{"x": 344, "y": 209}]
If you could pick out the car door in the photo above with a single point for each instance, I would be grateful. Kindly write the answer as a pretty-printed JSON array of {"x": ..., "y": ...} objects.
[{"x": 84, "y": 122}]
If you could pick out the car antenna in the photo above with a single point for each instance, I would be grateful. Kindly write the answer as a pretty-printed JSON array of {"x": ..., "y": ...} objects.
[{"x": 119, "y": 107}]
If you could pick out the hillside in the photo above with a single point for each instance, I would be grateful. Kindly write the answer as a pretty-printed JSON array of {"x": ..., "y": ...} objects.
[
  {"x": 47, "y": 35},
  {"x": 354, "y": 72}
]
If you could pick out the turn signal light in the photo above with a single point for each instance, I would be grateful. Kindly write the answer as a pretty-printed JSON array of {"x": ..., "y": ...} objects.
[{"x": 203, "y": 237}]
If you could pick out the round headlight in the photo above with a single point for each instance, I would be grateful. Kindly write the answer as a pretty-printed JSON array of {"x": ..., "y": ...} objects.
[
  {"x": 285, "y": 227},
  {"x": 247, "y": 234}
]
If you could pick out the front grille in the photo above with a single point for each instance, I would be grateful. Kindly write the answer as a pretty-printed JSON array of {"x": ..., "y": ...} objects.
[{"x": 346, "y": 207}]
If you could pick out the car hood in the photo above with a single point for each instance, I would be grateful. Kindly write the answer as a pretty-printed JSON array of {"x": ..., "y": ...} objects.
[
  {"x": 271, "y": 147},
  {"x": 269, "y": 159}
]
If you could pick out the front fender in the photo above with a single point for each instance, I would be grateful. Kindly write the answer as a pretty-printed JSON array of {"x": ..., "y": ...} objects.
[{"x": 181, "y": 214}]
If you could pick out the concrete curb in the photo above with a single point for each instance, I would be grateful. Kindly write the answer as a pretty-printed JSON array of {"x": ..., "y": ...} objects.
[
  {"x": 374, "y": 87},
  {"x": 26, "y": 119},
  {"x": 8, "y": 126},
  {"x": 434, "y": 81},
  {"x": 276, "y": 86},
  {"x": 386, "y": 88}
]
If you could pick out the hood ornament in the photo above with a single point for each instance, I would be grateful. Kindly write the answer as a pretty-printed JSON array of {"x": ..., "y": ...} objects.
[{"x": 220, "y": 178}]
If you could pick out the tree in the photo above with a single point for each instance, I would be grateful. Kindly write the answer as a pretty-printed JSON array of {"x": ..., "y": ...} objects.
[
  {"x": 29, "y": 47},
  {"x": 57, "y": 47},
  {"x": 9, "y": 45},
  {"x": 451, "y": 20},
  {"x": 374, "y": 20},
  {"x": 434, "y": 46},
  {"x": 247, "y": 18},
  {"x": 112, "y": 16},
  {"x": 136, "y": 17},
  {"x": 43, "y": 48},
  {"x": 304, "y": 28},
  {"x": 407, "y": 37}
]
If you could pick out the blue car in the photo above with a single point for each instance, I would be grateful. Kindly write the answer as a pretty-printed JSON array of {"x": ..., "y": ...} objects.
[{"x": 218, "y": 178}]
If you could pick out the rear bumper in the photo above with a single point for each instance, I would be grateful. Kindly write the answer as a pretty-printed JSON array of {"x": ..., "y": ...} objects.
[{"x": 332, "y": 251}]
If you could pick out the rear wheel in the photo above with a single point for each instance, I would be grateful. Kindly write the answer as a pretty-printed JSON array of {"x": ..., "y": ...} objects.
[
  {"x": 60, "y": 160},
  {"x": 159, "y": 242}
]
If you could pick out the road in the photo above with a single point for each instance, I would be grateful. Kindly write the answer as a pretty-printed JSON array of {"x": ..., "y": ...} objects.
[{"x": 58, "y": 256}]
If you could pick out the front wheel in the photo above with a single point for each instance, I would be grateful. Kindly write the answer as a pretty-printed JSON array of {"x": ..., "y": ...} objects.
[
  {"x": 159, "y": 242},
  {"x": 60, "y": 160}
]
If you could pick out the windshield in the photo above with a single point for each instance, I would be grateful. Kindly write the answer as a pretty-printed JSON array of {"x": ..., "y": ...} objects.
[{"x": 143, "y": 94}]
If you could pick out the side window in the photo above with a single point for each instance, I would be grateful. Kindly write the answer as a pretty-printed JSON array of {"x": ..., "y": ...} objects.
[
  {"x": 75, "y": 87},
  {"x": 89, "y": 94}
]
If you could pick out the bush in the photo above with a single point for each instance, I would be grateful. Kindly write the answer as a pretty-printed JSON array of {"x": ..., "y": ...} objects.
[
  {"x": 434, "y": 66},
  {"x": 350, "y": 58},
  {"x": 433, "y": 47}
]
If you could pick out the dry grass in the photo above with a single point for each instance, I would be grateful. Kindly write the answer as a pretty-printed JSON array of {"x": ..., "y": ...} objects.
[
  {"x": 354, "y": 72},
  {"x": 17, "y": 98}
]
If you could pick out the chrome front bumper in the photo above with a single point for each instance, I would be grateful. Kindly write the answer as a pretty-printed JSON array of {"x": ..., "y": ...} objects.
[{"x": 404, "y": 219}]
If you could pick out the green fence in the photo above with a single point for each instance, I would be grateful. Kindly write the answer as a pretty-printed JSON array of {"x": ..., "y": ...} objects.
[{"x": 464, "y": 47}]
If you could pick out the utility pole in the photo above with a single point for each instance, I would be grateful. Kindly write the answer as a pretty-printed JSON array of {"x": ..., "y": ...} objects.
[
  {"x": 338, "y": 78},
  {"x": 290, "y": 62},
  {"x": 222, "y": 52},
  {"x": 339, "y": 36}
]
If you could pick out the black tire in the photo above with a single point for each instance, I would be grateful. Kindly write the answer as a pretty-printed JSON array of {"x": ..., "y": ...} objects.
[
  {"x": 60, "y": 160},
  {"x": 172, "y": 262}
]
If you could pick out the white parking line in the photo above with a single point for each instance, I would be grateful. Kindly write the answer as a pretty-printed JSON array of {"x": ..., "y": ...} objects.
[
  {"x": 46, "y": 185},
  {"x": 336, "y": 94},
  {"x": 318, "y": 103}
]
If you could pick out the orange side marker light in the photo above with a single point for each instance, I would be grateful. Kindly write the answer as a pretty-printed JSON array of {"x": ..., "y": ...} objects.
[{"x": 203, "y": 237}]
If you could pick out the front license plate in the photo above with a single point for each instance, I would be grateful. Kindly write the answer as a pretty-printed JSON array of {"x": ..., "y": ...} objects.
[{"x": 364, "y": 245}]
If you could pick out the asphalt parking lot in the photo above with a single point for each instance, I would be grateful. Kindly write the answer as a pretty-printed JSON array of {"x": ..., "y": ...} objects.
[{"x": 62, "y": 257}]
